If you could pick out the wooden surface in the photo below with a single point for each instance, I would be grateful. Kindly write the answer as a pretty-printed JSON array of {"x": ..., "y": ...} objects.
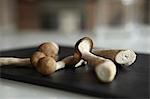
[{"x": 129, "y": 82}]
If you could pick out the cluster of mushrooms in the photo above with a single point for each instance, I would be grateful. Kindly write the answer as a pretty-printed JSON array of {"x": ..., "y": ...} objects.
[{"x": 44, "y": 60}]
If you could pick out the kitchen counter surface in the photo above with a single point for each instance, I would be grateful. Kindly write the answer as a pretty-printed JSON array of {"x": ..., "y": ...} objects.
[{"x": 139, "y": 43}]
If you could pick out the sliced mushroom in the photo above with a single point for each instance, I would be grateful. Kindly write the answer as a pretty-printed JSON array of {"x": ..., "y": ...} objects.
[{"x": 123, "y": 57}]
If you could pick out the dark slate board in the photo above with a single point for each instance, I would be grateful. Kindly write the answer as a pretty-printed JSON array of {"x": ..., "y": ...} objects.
[{"x": 129, "y": 82}]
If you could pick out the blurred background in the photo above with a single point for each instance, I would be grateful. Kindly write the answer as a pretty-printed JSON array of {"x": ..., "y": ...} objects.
[{"x": 110, "y": 23}]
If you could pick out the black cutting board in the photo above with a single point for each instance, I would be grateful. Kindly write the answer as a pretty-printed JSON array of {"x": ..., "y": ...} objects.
[{"x": 129, "y": 82}]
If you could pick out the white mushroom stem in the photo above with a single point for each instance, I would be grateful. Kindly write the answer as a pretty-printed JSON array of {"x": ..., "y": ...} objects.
[
  {"x": 60, "y": 65},
  {"x": 123, "y": 57},
  {"x": 70, "y": 60},
  {"x": 14, "y": 61},
  {"x": 80, "y": 63},
  {"x": 105, "y": 69}
]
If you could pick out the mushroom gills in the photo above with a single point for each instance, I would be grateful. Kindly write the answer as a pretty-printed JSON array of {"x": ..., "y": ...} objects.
[{"x": 85, "y": 46}]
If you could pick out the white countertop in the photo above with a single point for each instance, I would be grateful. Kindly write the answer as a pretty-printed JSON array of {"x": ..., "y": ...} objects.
[
  {"x": 141, "y": 43},
  {"x": 17, "y": 90}
]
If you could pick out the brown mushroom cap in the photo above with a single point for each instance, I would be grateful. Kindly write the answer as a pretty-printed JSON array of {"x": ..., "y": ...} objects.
[
  {"x": 35, "y": 57},
  {"x": 49, "y": 49},
  {"x": 46, "y": 65}
]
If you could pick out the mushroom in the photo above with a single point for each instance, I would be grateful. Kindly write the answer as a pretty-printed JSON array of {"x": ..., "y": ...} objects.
[
  {"x": 105, "y": 69},
  {"x": 122, "y": 57},
  {"x": 45, "y": 50},
  {"x": 44, "y": 59},
  {"x": 47, "y": 65}
]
